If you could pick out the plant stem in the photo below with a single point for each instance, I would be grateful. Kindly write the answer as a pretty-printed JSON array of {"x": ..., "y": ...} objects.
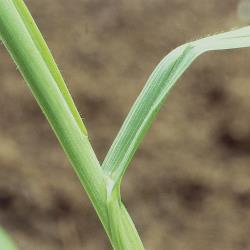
[
  {"x": 28, "y": 49},
  {"x": 33, "y": 59},
  {"x": 35, "y": 71}
]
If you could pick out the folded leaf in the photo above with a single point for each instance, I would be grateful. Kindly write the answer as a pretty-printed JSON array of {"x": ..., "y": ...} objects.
[{"x": 150, "y": 100}]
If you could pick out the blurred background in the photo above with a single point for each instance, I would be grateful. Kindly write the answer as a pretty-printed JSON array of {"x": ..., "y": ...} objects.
[{"x": 189, "y": 185}]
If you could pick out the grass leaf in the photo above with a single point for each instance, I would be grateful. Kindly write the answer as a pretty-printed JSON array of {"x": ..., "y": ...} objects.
[
  {"x": 28, "y": 49},
  {"x": 150, "y": 100}
]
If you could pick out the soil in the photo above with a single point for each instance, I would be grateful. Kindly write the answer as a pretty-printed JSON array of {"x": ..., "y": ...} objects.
[{"x": 188, "y": 186}]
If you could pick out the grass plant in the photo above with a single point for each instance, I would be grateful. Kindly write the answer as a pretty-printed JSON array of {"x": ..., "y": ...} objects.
[{"x": 102, "y": 182}]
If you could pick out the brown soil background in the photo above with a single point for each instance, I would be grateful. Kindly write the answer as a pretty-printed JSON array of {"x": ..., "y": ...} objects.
[{"x": 188, "y": 186}]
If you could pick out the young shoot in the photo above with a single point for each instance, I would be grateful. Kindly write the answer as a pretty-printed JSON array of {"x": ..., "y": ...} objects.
[{"x": 25, "y": 44}]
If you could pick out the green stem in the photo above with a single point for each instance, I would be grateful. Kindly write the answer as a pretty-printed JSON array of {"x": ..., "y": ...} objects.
[
  {"x": 44, "y": 87},
  {"x": 28, "y": 49},
  {"x": 25, "y": 44},
  {"x": 123, "y": 232}
]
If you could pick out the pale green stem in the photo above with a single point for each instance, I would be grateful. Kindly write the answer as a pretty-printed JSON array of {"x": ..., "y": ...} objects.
[
  {"x": 32, "y": 57},
  {"x": 35, "y": 71}
]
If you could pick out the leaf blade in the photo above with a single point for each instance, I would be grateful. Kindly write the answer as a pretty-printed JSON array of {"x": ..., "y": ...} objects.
[{"x": 150, "y": 100}]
